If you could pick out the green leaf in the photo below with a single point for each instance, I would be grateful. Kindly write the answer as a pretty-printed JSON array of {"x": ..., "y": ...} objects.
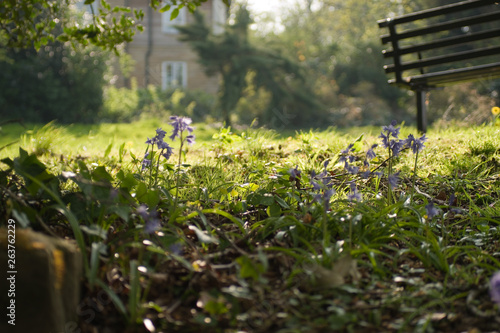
[
  {"x": 274, "y": 210},
  {"x": 121, "y": 152},
  {"x": 174, "y": 14},
  {"x": 122, "y": 211},
  {"x": 128, "y": 180},
  {"x": 202, "y": 236},
  {"x": 281, "y": 202},
  {"x": 101, "y": 175},
  {"x": 358, "y": 144},
  {"x": 166, "y": 8},
  {"x": 147, "y": 196},
  {"x": 266, "y": 199},
  {"x": 249, "y": 269},
  {"x": 114, "y": 298},
  {"x": 28, "y": 164},
  {"x": 135, "y": 291},
  {"x": 94, "y": 262},
  {"x": 94, "y": 230},
  {"x": 108, "y": 150}
]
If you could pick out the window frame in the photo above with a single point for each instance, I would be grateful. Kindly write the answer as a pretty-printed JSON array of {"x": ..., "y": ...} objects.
[{"x": 176, "y": 67}]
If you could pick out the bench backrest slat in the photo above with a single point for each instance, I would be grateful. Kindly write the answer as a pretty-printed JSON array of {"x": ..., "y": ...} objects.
[
  {"x": 440, "y": 60},
  {"x": 456, "y": 7},
  {"x": 479, "y": 19},
  {"x": 445, "y": 42}
]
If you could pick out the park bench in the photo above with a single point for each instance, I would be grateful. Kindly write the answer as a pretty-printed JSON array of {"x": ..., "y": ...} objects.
[{"x": 441, "y": 46}]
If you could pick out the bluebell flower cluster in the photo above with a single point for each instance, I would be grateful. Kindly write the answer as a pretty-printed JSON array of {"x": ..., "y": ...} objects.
[
  {"x": 390, "y": 138},
  {"x": 416, "y": 145},
  {"x": 146, "y": 162},
  {"x": 348, "y": 159},
  {"x": 390, "y": 141},
  {"x": 294, "y": 173},
  {"x": 354, "y": 194},
  {"x": 322, "y": 183},
  {"x": 165, "y": 150},
  {"x": 431, "y": 210},
  {"x": 181, "y": 124},
  {"x": 393, "y": 179},
  {"x": 322, "y": 180},
  {"x": 151, "y": 220},
  {"x": 495, "y": 288}
]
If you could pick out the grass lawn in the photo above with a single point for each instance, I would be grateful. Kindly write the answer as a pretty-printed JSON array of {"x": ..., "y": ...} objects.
[{"x": 259, "y": 231}]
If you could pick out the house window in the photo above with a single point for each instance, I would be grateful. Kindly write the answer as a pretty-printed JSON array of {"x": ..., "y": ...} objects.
[
  {"x": 173, "y": 74},
  {"x": 219, "y": 16},
  {"x": 167, "y": 25}
]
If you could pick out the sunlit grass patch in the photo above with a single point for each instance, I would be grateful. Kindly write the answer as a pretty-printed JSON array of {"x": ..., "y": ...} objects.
[{"x": 398, "y": 229}]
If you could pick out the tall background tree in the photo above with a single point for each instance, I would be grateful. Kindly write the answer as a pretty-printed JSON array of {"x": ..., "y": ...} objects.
[
  {"x": 241, "y": 63},
  {"x": 338, "y": 44}
]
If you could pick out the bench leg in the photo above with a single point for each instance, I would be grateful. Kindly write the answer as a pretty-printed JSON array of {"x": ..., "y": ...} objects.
[{"x": 421, "y": 111}]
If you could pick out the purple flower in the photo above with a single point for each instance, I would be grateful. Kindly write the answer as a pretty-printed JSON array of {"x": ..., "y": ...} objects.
[
  {"x": 325, "y": 198},
  {"x": 175, "y": 248},
  {"x": 348, "y": 149},
  {"x": 415, "y": 144},
  {"x": 353, "y": 170},
  {"x": 431, "y": 210},
  {"x": 181, "y": 124},
  {"x": 326, "y": 181},
  {"x": 169, "y": 151},
  {"x": 452, "y": 199},
  {"x": 418, "y": 144},
  {"x": 354, "y": 194},
  {"x": 146, "y": 163},
  {"x": 397, "y": 146},
  {"x": 151, "y": 225},
  {"x": 385, "y": 140},
  {"x": 316, "y": 186},
  {"x": 394, "y": 179},
  {"x": 162, "y": 145},
  {"x": 151, "y": 141},
  {"x": 190, "y": 139},
  {"x": 142, "y": 211},
  {"x": 394, "y": 145},
  {"x": 151, "y": 220},
  {"x": 160, "y": 134},
  {"x": 495, "y": 288},
  {"x": 294, "y": 173},
  {"x": 370, "y": 154},
  {"x": 391, "y": 129}
]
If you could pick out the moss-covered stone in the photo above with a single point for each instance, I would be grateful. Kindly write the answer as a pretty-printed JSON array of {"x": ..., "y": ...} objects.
[{"x": 44, "y": 284}]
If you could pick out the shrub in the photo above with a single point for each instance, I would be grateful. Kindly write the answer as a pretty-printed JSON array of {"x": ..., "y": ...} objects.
[
  {"x": 124, "y": 104},
  {"x": 57, "y": 83}
]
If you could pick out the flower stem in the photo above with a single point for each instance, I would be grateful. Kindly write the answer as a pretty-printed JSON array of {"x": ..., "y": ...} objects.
[
  {"x": 176, "y": 200},
  {"x": 414, "y": 177},
  {"x": 389, "y": 173}
]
